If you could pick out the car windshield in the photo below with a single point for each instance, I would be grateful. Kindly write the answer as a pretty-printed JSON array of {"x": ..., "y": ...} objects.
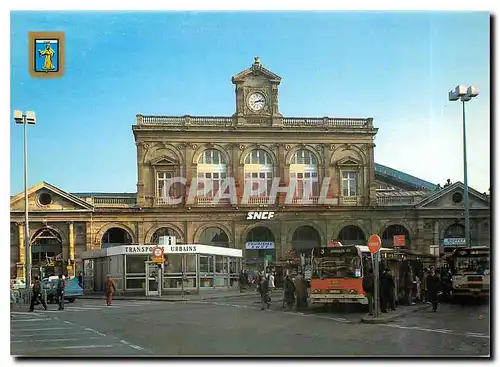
[
  {"x": 472, "y": 264},
  {"x": 337, "y": 267}
]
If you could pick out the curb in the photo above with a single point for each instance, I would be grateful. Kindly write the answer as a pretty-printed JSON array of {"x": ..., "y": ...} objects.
[
  {"x": 384, "y": 319},
  {"x": 157, "y": 299}
]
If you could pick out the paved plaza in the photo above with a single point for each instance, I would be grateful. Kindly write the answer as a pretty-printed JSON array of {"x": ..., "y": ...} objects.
[{"x": 236, "y": 326}]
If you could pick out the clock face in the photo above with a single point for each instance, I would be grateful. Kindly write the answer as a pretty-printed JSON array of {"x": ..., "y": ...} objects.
[{"x": 256, "y": 101}]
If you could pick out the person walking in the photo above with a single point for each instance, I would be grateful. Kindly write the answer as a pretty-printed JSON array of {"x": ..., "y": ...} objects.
[
  {"x": 432, "y": 284},
  {"x": 368, "y": 287},
  {"x": 109, "y": 289},
  {"x": 37, "y": 295},
  {"x": 61, "y": 285},
  {"x": 264, "y": 293}
]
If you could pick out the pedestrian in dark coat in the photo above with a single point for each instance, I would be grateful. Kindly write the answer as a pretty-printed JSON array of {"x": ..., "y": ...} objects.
[
  {"x": 432, "y": 284},
  {"x": 37, "y": 295},
  {"x": 289, "y": 292},
  {"x": 368, "y": 288},
  {"x": 387, "y": 287},
  {"x": 61, "y": 285},
  {"x": 264, "y": 293}
]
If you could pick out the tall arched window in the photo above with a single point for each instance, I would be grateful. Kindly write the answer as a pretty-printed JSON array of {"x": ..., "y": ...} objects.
[
  {"x": 211, "y": 170},
  {"x": 258, "y": 172},
  {"x": 304, "y": 172}
]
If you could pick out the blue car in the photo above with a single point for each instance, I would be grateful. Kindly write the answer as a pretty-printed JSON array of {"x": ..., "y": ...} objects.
[{"x": 71, "y": 291}]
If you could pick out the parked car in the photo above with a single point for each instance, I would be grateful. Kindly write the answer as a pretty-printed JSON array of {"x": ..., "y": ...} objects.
[{"x": 71, "y": 291}]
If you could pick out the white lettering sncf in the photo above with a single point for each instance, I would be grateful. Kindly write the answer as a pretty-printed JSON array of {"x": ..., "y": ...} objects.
[{"x": 260, "y": 215}]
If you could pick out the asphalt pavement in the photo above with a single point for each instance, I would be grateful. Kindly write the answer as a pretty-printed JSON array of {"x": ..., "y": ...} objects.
[{"x": 237, "y": 327}]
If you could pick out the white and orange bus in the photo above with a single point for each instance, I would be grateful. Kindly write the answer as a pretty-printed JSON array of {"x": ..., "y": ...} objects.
[{"x": 337, "y": 274}]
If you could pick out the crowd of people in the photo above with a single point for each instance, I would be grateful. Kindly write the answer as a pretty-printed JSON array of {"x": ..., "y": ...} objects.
[
  {"x": 425, "y": 287},
  {"x": 294, "y": 288}
]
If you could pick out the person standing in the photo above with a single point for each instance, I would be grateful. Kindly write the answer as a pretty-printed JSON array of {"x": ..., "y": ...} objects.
[
  {"x": 241, "y": 281},
  {"x": 61, "y": 285},
  {"x": 271, "y": 282},
  {"x": 80, "y": 280},
  {"x": 424, "y": 285},
  {"x": 301, "y": 290},
  {"x": 109, "y": 289},
  {"x": 37, "y": 295},
  {"x": 289, "y": 292},
  {"x": 432, "y": 284},
  {"x": 408, "y": 281},
  {"x": 368, "y": 288}
]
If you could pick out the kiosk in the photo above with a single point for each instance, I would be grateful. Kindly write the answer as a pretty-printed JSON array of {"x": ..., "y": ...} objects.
[{"x": 189, "y": 268}]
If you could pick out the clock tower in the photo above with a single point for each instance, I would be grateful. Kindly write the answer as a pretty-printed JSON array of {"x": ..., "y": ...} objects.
[{"x": 257, "y": 96}]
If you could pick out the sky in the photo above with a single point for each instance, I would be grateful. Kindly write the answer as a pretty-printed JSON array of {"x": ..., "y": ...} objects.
[{"x": 395, "y": 67}]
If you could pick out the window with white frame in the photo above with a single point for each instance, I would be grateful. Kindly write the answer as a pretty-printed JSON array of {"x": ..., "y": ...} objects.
[
  {"x": 304, "y": 174},
  {"x": 211, "y": 172},
  {"x": 259, "y": 172},
  {"x": 349, "y": 183},
  {"x": 162, "y": 183}
]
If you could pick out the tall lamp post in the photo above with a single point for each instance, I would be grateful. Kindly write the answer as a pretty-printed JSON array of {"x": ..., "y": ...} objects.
[
  {"x": 464, "y": 94},
  {"x": 25, "y": 119}
]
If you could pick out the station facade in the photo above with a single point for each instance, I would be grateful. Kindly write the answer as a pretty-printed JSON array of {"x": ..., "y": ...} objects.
[{"x": 254, "y": 146}]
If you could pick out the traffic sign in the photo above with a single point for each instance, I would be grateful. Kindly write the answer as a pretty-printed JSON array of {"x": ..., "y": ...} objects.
[
  {"x": 374, "y": 243},
  {"x": 268, "y": 257},
  {"x": 158, "y": 254}
]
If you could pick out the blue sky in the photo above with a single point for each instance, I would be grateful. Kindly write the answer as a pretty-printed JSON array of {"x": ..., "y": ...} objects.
[{"x": 394, "y": 67}]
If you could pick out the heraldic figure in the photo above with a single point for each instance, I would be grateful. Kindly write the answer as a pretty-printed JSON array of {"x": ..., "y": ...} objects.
[{"x": 49, "y": 56}]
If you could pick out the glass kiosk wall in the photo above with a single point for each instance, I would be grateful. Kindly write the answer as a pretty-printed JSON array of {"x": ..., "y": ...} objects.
[{"x": 201, "y": 267}]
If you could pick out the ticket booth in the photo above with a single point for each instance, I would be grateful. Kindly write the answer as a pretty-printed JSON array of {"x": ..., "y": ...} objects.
[
  {"x": 195, "y": 267},
  {"x": 189, "y": 268}
]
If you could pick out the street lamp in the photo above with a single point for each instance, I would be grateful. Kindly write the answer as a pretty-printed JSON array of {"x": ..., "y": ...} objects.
[
  {"x": 25, "y": 119},
  {"x": 464, "y": 94}
]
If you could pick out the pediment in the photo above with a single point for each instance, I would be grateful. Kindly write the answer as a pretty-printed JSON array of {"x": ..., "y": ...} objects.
[
  {"x": 46, "y": 197},
  {"x": 444, "y": 199},
  {"x": 164, "y": 161},
  {"x": 255, "y": 70},
  {"x": 348, "y": 161}
]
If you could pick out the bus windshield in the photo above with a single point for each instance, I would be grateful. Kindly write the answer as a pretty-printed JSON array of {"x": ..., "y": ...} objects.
[
  {"x": 472, "y": 264},
  {"x": 337, "y": 267}
]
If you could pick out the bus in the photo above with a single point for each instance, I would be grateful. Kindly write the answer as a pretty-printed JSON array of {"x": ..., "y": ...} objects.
[
  {"x": 337, "y": 274},
  {"x": 470, "y": 272}
]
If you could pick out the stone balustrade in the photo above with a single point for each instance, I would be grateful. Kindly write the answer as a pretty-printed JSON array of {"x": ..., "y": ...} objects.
[{"x": 306, "y": 122}]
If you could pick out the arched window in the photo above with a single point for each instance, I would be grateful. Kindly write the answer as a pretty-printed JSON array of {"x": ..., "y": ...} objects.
[
  {"x": 258, "y": 173},
  {"x": 211, "y": 170},
  {"x": 164, "y": 231},
  {"x": 304, "y": 173}
]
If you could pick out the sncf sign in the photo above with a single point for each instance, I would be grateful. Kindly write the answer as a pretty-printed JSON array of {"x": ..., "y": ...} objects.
[{"x": 260, "y": 215}]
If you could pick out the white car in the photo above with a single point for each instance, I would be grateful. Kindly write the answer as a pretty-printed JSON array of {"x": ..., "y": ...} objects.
[{"x": 18, "y": 283}]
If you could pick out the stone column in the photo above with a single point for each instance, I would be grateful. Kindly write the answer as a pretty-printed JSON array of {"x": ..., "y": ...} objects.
[
  {"x": 22, "y": 251},
  {"x": 140, "y": 174},
  {"x": 71, "y": 257}
]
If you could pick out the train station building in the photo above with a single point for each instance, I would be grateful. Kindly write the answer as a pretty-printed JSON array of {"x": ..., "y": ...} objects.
[{"x": 255, "y": 146}]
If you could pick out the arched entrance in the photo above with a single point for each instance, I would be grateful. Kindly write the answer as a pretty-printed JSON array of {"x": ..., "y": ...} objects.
[
  {"x": 454, "y": 236},
  {"x": 46, "y": 253},
  {"x": 164, "y": 231},
  {"x": 352, "y": 235},
  {"x": 260, "y": 248},
  {"x": 304, "y": 239},
  {"x": 115, "y": 236},
  {"x": 214, "y": 236},
  {"x": 395, "y": 230},
  {"x": 215, "y": 268}
]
